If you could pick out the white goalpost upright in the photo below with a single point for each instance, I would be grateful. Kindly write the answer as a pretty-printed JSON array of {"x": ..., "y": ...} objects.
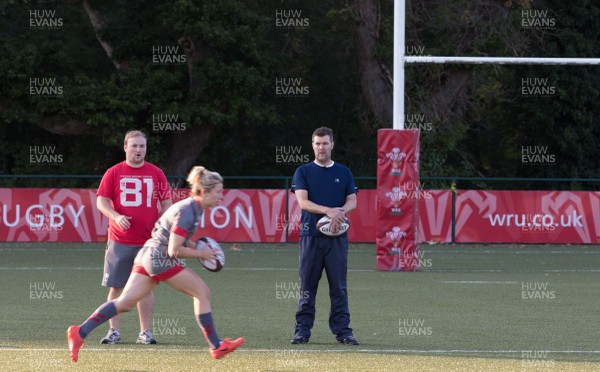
[
  {"x": 398, "y": 155},
  {"x": 400, "y": 59}
]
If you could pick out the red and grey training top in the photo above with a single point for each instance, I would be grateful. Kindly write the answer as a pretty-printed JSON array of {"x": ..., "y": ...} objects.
[{"x": 182, "y": 218}]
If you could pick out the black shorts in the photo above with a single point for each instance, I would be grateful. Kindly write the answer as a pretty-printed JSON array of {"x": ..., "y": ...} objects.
[{"x": 118, "y": 261}]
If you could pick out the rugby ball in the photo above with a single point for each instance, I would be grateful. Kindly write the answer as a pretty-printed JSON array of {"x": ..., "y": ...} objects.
[
  {"x": 211, "y": 265},
  {"x": 323, "y": 227}
]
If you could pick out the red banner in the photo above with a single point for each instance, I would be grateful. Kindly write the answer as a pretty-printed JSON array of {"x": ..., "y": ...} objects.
[
  {"x": 70, "y": 215},
  {"x": 528, "y": 217},
  {"x": 435, "y": 216},
  {"x": 51, "y": 215}
]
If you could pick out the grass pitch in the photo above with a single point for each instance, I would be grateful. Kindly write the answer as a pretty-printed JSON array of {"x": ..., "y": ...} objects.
[{"x": 504, "y": 307}]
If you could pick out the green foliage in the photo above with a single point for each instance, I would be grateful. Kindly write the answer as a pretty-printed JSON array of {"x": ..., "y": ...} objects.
[
  {"x": 489, "y": 128},
  {"x": 479, "y": 128},
  {"x": 107, "y": 96}
]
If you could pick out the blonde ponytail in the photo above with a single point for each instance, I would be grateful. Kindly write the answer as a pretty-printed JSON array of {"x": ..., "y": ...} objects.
[{"x": 201, "y": 178}]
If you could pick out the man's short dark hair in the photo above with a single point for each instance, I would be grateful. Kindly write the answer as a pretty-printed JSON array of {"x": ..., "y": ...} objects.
[{"x": 323, "y": 131}]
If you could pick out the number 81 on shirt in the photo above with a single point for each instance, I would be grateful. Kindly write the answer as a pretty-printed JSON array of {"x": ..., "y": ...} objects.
[{"x": 133, "y": 187}]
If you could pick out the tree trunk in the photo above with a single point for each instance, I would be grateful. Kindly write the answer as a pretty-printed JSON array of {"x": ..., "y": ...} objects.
[
  {"x": 375, "y": 79},
  {"x": 185, "y": 149},
  {"x": 97, "y": 21},
  {"x": 449, "y": 93},
  {"x": 62, "y": 125},
  {"x": 195, "y": 52}
]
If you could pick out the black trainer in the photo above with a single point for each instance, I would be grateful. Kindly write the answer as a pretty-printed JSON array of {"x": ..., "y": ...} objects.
[
  {"x": 350, "y": 340},
  {"x": 299, "y": 340}
]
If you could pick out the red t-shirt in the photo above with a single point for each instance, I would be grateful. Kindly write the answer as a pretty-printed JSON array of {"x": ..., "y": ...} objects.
[{"x": 135, "y": 192}]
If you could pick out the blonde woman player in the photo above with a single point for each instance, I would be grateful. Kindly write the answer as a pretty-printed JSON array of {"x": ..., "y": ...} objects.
[{"x": 159, "y": 260}]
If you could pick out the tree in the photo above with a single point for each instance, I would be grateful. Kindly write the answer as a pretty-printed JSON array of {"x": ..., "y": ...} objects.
[
  {"x": 210, "y": 83},
  {"x": 175, "y": 70}
]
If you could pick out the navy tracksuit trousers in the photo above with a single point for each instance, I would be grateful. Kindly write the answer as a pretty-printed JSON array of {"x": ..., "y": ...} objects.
[{"x": 318, "y": 253}]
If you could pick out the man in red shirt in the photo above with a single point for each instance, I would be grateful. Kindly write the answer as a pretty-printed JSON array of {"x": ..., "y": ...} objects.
[{"x": 129, "y": 194}]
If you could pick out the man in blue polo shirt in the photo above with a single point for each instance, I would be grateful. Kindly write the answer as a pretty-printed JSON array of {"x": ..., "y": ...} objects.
[{"x": 323, "y": 187}]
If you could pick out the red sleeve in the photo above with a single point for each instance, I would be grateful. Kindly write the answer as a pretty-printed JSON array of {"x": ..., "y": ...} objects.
[
  {"x": 176, "y": 229},
  {"x": 179, "y": 231},
  {"x": 106, "y": 187}
]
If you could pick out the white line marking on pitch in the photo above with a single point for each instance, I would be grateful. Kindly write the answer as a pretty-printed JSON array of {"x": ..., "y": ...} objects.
[
  {"x": 509, "y": 251},
  {"x": 389, "y": 351},
  {"x": 585, "y": 250},
  {"x": 474, "y": 282},
  {"x": 21, "y": 268},
  {"x": 515, "y": 271}
]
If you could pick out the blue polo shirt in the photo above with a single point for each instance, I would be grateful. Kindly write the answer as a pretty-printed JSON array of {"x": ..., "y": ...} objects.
[{"x": 328, "y": 186}]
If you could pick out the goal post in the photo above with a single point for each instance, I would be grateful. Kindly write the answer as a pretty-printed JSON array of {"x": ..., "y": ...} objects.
[{"x": 399, "y": 141}]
